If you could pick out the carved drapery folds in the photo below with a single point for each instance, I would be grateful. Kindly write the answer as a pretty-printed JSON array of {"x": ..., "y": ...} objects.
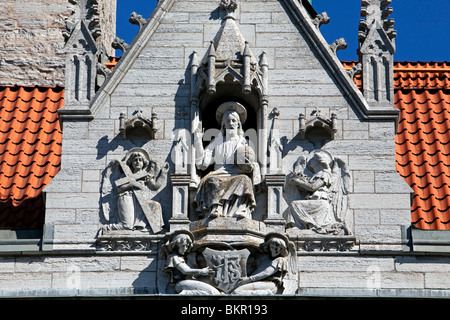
[
  {"x": 215, "y": 241},
  {"x": 228, "y": 62},
  {"x": 227, "y": 191},
  {"x": 323, "y": 184},
  {"x": 127, "y": 192}
]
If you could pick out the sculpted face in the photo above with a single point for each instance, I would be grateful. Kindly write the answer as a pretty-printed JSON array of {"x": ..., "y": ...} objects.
[
  {"x": 320, "y": 161},
  {"x": 275, "y": 249},
  {"x": 183, "y": 244},
  {"x": 231, "y": 121},
  {"x": 137, "y": 163}
]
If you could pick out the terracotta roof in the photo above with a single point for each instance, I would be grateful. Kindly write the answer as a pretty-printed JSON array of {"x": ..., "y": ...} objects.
[
  {"x": 422, "y": 141},
  {"x": 422, "y": 75},
  {"x": 422, "y": 94},
  {"x": 30, "y": 151},
  {"x": 112, "y": 62}
]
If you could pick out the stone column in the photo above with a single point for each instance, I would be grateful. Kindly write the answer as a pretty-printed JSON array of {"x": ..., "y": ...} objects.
[
  {"x": 180, "y": 202},
  {"x": 274, "y": 220}
]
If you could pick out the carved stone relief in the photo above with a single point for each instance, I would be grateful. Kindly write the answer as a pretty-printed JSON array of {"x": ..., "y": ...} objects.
[
  {"x": 323, "y": 182},
  {"x": 127, "y": 192},
  {"x": 222, "y": 268},
  {"x": 228, "y": 190},
  {"x": 215, "y": 243},
  {"x": 185, "y": 279}
]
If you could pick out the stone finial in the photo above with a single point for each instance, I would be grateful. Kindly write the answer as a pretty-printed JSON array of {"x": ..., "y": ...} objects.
[
  {"x": 376, "y": 50},
  {"x": 376, "y": 11},
  {"x": 339, "y": 44},
  {"x": 137, "y": 19},
  {"x": 321, "y": 19},
  {"x": 228, "y": 5}
]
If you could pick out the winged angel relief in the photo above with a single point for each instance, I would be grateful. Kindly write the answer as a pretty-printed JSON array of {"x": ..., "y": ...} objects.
[
  {"x": 127, "y": 192},
  {"x": 323, "y": 182}
]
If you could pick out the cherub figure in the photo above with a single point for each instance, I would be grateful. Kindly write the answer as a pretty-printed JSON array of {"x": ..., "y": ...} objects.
[
  {"x": 127, "y": 192},
  {"x": 273, "y": 266},
  {"x": 183, "y": 276},
  {"x": 323, "y": 182}
]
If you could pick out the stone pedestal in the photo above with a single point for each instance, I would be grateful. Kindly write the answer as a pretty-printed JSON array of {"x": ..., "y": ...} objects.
[
  {"x": 230, "y": 231},
  {"x": 128, "y": 241}
]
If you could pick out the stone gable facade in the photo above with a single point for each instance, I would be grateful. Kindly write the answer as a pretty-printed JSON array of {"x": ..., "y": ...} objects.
[{"x": 188, "y": 59}]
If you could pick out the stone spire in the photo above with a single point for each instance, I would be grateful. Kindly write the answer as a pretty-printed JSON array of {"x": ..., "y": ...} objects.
[
  {"x": 230, "y": 54},
  {"x": 376, "y": 52},
  {"x": 85, "y": 49}
]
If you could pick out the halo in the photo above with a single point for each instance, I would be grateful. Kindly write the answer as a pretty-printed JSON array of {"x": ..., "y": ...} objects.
[
  {"x": 231, "y": 105},
  {"x": 140, "y": 150},
  {"x": 177, "y": 232},
  {"x": 276, "y": 235},
  {"x": 271, "y": 235}
]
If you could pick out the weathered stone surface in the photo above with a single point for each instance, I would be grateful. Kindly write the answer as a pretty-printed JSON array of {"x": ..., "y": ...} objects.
[
  {"x": 156, "y": 75},
  {"x": 32, "y": 41}
]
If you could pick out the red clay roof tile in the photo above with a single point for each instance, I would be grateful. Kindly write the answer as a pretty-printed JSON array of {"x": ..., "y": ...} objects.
[
  {"x": 422, "y": 94},
  {"x": 30, "y": 152}
]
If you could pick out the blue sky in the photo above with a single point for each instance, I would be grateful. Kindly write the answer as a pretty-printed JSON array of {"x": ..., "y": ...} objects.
[{"x": 423, "y": 26}]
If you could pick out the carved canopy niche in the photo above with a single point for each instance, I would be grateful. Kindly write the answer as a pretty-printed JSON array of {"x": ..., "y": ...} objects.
[{"x": 229, "y": 72}]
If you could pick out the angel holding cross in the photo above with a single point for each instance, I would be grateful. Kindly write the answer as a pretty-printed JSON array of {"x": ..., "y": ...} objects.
[{"x": 127, "y": 192}]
